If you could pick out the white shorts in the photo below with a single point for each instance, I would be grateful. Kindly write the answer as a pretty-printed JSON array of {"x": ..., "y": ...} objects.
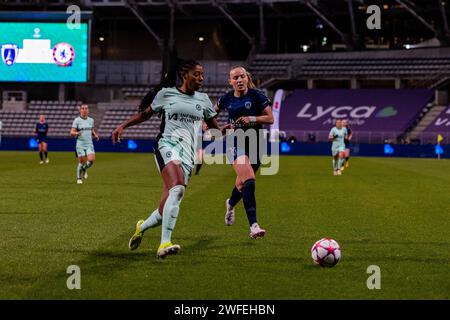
[
  {"x": 84, "y": 151},
  {"x": 166, "y": 154}
]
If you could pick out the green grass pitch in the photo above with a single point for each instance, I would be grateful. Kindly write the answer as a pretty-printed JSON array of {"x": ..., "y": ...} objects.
[{"x": 393, "y": 213}]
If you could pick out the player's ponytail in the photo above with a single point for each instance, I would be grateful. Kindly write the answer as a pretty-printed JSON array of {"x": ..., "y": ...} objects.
[
  {"x": 169, "y": 80},
  {"x": 251, "y": 84}
]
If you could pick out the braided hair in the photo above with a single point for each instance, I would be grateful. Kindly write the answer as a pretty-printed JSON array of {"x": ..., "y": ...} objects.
[
  {"x": 179, "y": 68},
  {"x": 185, "y": 66}
]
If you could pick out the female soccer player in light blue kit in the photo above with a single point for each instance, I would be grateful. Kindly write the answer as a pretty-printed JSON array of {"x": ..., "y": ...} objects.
[
  {"x": 83, "y": 130},
  {"x": 337, "y": 136},
  {"x": 183, "y": 109}
]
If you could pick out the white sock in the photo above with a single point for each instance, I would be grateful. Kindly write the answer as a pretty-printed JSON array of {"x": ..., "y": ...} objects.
[
  {"x": 170, "y": 212},
  {"x": 79, "y": 169},
  {"x": 152, "y": 221}
]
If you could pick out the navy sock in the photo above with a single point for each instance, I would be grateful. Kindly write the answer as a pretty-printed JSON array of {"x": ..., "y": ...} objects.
[
  {"x": 197, "y": 169},
  {"x": 248, "y": 196},
  {"x": 41, "y": 156},
  {"x": 235, "y": 197},
  {"x": 46, "y": 154}
]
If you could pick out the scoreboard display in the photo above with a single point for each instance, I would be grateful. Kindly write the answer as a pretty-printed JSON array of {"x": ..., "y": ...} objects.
[{"x": 43, "y": 52}]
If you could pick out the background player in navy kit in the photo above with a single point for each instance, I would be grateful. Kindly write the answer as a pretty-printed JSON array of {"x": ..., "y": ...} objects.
[
  {"x": 248, "y": 109},
  {"x": 205, "y": 137},
  {"x": 348, "y": 145},
  {"x": 41, "y": 132}
]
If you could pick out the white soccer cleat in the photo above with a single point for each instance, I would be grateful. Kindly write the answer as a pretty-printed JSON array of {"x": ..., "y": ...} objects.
[
  {"x": 339, "y": 173},
  {"x": 85, "y": 175},
  {"x": 229, "y": 214},
  {"x": 335, "y": 173},
  {"x": 41, "y": 162},
  {"x": 47, "y": 161},
  {"x": 79, "y": 181},
  {"x": 256, "y": 231}
]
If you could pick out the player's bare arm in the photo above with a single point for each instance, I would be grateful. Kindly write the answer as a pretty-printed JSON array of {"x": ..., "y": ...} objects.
[
  {"x": 265, "y": 118},
  {"x": 134, "y": 120},
  {"x": 212, "y": 123},
  {"x": 95, "y": 135},
  {"x": 74, "y": 132}
]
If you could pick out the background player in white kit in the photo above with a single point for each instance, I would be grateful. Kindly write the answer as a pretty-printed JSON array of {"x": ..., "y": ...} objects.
[
  {"x": 337, "y": 135},
  {"x": 83, "y": 130}
]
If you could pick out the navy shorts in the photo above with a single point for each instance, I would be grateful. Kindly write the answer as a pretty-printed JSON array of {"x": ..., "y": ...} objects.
[
  {"x": 234, "y": 153},
  {"x": 41, "y": 139}
]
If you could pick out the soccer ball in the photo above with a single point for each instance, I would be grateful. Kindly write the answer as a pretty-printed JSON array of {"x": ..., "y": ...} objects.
[{"x": 326, "y": 252}]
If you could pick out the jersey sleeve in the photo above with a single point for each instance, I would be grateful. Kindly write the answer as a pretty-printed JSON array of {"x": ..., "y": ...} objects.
[
  {"x": 75, "y": 124},
  {"x": 331, "y": 134},
  {"x": 158, "y": 103},
  {"x": 209, "y": 111},
  {"x": 262, "y": 100},
  {"x": 220, "y": 103}
]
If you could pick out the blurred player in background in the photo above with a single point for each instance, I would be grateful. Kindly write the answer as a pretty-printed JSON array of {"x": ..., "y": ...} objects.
[
  {"x": 337, "y": 135},
  {"x": 205, "y": 137},
  {"x": 41, "y": 131},
  {"x": 348, "y": 145},
  {"x": 183, "y": 109},
  {"x": 248, "y": 108},
  {"x": 83, "y": 130}
]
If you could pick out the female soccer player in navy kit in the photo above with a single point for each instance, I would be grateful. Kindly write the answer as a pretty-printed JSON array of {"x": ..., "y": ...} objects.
[
  {"x": 41, "y": 132},
  {"x": 348, "y": 143},
  {"x": 248, "y": 109}
]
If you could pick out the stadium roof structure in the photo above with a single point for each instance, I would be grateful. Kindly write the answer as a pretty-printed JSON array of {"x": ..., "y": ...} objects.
[{"x": 344, "y": 19}]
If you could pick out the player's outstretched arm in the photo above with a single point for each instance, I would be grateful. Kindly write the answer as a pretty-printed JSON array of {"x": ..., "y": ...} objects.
[
  {"x": 132, "y": 121},
  {"x": 265, "y": 118},
  {"x": 212, "y": 124}
]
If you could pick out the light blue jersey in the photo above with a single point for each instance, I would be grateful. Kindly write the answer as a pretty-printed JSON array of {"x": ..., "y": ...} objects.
[
  {"x": 338, "y": 135},
  {"x": 182, "y": 119},
  {"x": 85, "y": 126}
]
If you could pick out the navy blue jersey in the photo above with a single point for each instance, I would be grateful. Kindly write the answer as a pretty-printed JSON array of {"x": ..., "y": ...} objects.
[
  {"x": 42, "y": 129},
  {"x": 252, "y": 104},
  {"x": 349, "y": 132}
]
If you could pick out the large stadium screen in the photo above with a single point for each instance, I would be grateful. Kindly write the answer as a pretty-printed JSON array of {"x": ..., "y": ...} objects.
[{"x": 43, "y": 51}]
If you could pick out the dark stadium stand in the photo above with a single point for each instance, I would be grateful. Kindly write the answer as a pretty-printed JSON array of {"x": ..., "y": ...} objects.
[
  {"x": 129, "y": 93},
  {"x": 147, "y": 130},
  {"x": 431, "y": 63},
  {"x": 59, "y": 115}
]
